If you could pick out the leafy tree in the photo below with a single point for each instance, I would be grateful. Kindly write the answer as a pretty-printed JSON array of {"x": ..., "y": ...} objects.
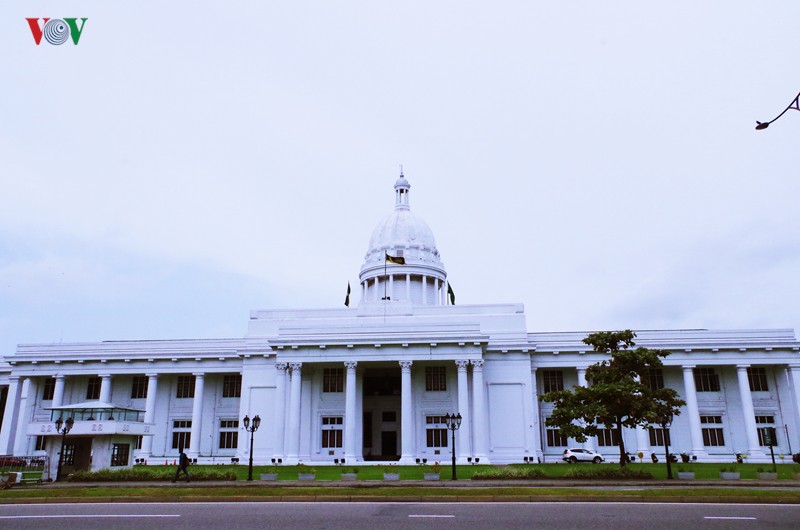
[{"x": 617, "y": 394}]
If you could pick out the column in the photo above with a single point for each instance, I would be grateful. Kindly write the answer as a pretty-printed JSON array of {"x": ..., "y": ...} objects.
[
  {"x": 408, "y": 287},
  {"x": 643, "y": 436},
  {"x": 391, "y": 287},
  {"x": 350, "y": 420},
  {"x": 479, "y": 407},
  {"x": 105, "y": 388},
  {"x": 538, "y": 427},
  {"x": 424, "y": 289},
  {"x": 25, "y": 408},
  {"x": 150, "y": 414},
  {"x": 408, "y": 449},
  {"x": 436, "y": 297},
  {"x": 58, "y": 391},
  {"x": 11, "y": 415},
  {"x": 643, "y": 442},
  {"x": 696, "y": 431},
  {"x": 464, "y": 434},
  {"x": 753, "y": 447},
  {"x": 589, "y": 444},
  {"x": 293, "y": 451},
  {"x": 794, "y": 375},
  {"x": 197, "y": 415},
  {"x": 280, "y": 409}
]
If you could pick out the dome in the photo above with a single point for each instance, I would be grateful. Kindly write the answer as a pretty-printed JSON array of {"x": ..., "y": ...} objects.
[
  {"x": 401, "y": 229},
  {"x": 415, "y": 272}
]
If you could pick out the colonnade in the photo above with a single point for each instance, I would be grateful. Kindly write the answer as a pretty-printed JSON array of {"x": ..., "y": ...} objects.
[{"x": 472, "y": 435}]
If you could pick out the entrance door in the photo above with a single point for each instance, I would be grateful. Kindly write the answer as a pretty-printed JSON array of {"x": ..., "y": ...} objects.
[
  {"x": 389, "y": 445},
  {"x": 77, "y": 455}
]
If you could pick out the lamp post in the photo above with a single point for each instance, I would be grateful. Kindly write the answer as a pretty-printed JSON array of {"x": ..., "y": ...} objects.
[
  {"x": 251, "y": 429},
  {"x": 795, "y": 104},
  {"x": 666, "y": 421},
  {"x": 67, "y": 426},
  {"x": 453, "y": 423}
]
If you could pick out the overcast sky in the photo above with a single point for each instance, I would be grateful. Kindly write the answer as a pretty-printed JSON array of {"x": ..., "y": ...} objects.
[{"x": 187, "y": 162}]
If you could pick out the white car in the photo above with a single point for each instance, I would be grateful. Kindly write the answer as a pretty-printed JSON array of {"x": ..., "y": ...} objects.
[{"x": 582, "y": 455}]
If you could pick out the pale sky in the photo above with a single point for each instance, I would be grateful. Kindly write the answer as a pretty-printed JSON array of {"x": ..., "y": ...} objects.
[{"x": 187, "y": 162}]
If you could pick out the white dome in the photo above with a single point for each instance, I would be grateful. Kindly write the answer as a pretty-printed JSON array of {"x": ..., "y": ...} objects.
[
  {"x": 401, "y": 229},
  {"x": 401, "y": 234}
]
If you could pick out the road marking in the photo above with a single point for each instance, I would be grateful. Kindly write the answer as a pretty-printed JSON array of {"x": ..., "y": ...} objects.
[
  {"x": 733, "y": 518},
  {"x": 77, "y": 516},
  {"x": 432, "y": 516}
]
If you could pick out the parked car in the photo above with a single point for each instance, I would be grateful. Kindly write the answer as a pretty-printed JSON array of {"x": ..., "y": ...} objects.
[{"x": 581, "y": 455}]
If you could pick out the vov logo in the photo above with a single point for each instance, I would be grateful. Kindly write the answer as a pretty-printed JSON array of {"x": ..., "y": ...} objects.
[{"x": 56, "y": 31}]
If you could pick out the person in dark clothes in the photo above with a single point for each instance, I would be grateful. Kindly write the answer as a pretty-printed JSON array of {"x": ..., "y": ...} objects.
[{"x": 183, "y": 465}]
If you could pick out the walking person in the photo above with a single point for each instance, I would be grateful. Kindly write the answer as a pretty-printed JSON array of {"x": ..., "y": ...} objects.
[{"x": 183, "y": 465}]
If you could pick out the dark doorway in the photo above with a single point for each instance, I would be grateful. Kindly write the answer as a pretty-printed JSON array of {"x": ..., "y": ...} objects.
[
  {"x": 77, "y": 455},
  {"x": 381, "y": 405},
  {"x": 389, "y": 445}
]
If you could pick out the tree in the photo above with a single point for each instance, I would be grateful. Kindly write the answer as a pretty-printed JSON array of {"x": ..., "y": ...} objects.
[{"x": 618, "y": 394}]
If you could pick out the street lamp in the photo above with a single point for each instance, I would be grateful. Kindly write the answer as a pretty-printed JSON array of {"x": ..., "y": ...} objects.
[
  {"x": 453, "y": 423},
  {"x": 666, "y": 421},
  {"x": 795, "y": 104},
  {"x": 251, "y": 430},
  {"x": 63, "y": 432}
]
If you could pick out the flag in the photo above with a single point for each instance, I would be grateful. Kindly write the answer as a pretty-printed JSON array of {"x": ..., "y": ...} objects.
[
  {"x": 451, "y": 294},
  {"x": 392, "y": 259},
  {"x": 347, "y": 298}
]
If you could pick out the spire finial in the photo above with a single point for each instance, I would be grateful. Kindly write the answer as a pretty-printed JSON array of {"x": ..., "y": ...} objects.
[{"x": 401, "y": 170}]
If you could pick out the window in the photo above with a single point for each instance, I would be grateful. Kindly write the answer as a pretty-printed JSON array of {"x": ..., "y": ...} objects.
[
  {"x": 654, "y": 378},
  {"x": 139, "y": 387},
  {"x": 553, "y": 380},
  {"x": 333, "y": 380},
  {"x": 767, "y": 435},
  {"x": 435, "y": 431},
  {"x": 228, "y": 434},
  {"x": 232, "y": 386},
  {"x": 435, "y": 378},
  {"x": 41, "y": 443},
  {"x": 758, "y": 379},
  {"x": 712, "y": 436},
  {"x": 69, "y": 455},
  {"x": 138, "y": 442},
  {"x": 607, "y": 437},
  {"x": 658, "y": 436},
  {"x": 181, "y": 434},
  {"x": 555, "y": 438},
  {"x": 706, "y": 380},
  {"x": 120, "y": 454},
  {"x": 185, "y": 386},
  {"x": 332, "y": 431},
  {"x": 93, "y": 388},
  {"x": 49, "y": 389}
]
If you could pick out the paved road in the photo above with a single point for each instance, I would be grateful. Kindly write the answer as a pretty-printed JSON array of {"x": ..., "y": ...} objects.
[{"x": 368, "y": 516}]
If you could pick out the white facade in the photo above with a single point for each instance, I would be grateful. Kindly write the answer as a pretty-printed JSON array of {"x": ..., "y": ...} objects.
[{"x": 372, "y": 382}]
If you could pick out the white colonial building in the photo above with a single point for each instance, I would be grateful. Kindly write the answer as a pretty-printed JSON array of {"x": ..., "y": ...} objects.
[{"x": 373, "y": 382}]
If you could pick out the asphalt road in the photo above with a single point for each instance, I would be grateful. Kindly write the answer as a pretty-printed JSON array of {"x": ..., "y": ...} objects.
[{"x": 357, "y": 516}]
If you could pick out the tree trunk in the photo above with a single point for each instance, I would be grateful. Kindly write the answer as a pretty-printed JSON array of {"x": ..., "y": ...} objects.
[{"x": 623, "y": 455}]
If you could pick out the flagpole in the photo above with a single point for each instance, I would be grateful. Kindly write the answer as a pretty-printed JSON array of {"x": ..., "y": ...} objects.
[{"x": 385, "y": 279}]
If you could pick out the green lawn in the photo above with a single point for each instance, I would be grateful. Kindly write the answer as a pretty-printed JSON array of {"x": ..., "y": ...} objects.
[{"x": 659, "y": 471}]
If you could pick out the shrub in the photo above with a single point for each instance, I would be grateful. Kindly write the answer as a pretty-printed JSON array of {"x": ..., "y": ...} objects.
[
  {"x": 147, "y": 474},
  {"x": 509, "y": 473},
  {"x": 612, "y": 473}
]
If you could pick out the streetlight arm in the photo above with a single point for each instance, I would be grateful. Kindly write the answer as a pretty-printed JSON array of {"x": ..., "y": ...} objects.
[{"x": 795, "y": 104}]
